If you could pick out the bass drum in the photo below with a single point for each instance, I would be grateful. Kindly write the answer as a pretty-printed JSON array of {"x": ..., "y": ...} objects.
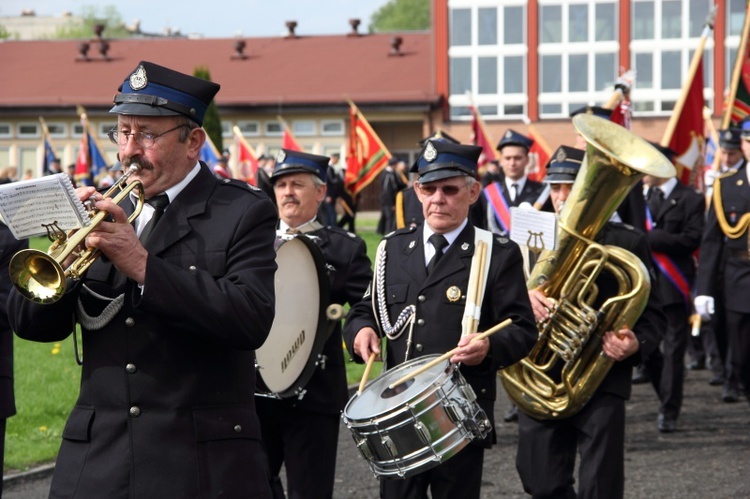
[
  {"x": 418, "y": 424},
  {"x": 290, "y": 354}
]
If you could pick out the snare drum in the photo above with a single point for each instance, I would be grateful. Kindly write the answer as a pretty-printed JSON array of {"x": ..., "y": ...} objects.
[
  {"x": 290, "y": 354},
  {"x": 418, "y": 424}
]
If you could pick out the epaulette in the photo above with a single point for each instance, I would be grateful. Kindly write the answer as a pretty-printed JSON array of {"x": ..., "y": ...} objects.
[
  {"x": 400, "y": 232},
  {"x": 622, "y": 225},
  {"x": 239, "y": 183},
  {"x": 339, "y": 230},
  {"x": 727, "y": 173}
]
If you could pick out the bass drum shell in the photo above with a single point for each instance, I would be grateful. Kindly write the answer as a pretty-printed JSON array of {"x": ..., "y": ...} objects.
[
  {"x": 288, "y": 358},
  {"x": 418, "y": 424}
]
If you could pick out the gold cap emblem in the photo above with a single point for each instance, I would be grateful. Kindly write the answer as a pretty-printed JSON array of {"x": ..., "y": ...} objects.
[{"x": 453, "y": 293}]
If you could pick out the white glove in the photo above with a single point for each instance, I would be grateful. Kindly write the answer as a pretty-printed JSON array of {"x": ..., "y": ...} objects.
[
  {"x": 704, "y": 306},
  {"x": 709, "y": 176},
  {"x": 525, "y": 206}
]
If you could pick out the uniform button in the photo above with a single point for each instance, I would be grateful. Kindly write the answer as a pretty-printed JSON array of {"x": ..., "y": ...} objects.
[
  {"x": 419, "y": 347},
  {"x": 135, "y": 411},
  {"x": 191, "y": 268},
  {"x": 237, "y": 428},
  {"x": 130, "y": 322},
  {"x": 420, "y": 322},
  {"x": 483, "y": 390},
  {"x": 130, "y": 368},
  {"x": 421, "y": 298}
]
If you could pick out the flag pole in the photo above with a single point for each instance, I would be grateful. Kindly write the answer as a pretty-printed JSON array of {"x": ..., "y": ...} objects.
[
  {"x": 737, "y": 70},
  {"x": 692, "y": 71}
]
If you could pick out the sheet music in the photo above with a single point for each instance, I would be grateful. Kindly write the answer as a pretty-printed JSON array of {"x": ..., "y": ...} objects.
[
  {"x": 27, "y": 206},
  {"x": 533, "y": 228}
]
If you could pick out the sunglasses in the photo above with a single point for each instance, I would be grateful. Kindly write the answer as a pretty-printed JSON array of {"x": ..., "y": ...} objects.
[{"x": 448, "y": 190}]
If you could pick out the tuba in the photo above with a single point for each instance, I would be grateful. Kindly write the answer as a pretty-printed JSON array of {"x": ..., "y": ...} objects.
[
  {"x": 567, "y": 364},
  {"x": 40, "y": 277}
]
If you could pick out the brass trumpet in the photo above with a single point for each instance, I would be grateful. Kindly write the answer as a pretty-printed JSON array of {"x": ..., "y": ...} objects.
[{"x": 40, "y": 276}]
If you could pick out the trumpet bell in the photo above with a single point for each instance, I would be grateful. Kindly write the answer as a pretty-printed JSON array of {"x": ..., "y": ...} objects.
[{"x": 37, "y": 276}]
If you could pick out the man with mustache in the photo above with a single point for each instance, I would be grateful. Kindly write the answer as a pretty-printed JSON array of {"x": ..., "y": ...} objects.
[
  {"x": 301, "y": 432},
  {"x": 426, "y": 271},
  {"x": 170, "y": 315}
]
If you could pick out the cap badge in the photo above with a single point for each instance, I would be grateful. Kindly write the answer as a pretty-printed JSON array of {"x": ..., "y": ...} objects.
[
  {"x": 453, "y": 293},
  {"x": 508, "y": 134},
  {"x": 561, "y": 157},
  {"x": 430, "y": 153},
  {"x": 281, "y": 156},
  {"x": 728, "y": 135},
  {"x": 138, "y": 79}
]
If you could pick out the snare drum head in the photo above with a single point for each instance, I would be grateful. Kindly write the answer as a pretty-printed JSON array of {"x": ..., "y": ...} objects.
[
  {"x": 377, "y": 399},
  {"x": 286, "y": 361}
]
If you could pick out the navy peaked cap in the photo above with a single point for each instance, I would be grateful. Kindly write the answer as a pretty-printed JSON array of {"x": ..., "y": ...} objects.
[
  {"x": 288, "y": 161},
  {"x": 440, "y": 159},
  {"x": 513, "y": 138},
  {"x": 153, "y": 90},
  {"x": 564, "y": 165}
]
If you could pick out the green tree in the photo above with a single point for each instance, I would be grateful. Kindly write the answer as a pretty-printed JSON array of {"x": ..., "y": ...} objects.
[
  {"x": 4, "y": 33},
  {"x": 83, "y": 25},
  {"x": 401, "y": 15},
  {"x": 212, "y": 120}
]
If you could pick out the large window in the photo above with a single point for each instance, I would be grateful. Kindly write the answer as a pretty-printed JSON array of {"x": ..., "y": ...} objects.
[
  {"x": 665, "y": 34},
  {"x": 487, "y": 58},
  {"x": 578, "y": 53}
]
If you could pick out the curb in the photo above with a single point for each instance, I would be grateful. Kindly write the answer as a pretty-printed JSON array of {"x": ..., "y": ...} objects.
[{"x": 37, "y": 473}]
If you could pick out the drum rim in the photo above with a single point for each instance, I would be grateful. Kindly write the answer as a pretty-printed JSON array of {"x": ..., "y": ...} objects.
[{"x": 321, "y": 336}]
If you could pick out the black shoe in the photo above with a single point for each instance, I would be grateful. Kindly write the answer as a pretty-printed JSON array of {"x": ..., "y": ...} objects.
[
  {"x": 696, "y": 365},
  {"x": 730, "y": 395},
  {"x": 512, "y": 414},
  {"x": 640, "y": 376},
  {"x": 717, "y": 380},
  {"x": 666, "y": 425}
]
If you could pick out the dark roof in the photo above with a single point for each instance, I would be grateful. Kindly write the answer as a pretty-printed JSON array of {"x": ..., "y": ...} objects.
[{"x": 299, "y": 71}]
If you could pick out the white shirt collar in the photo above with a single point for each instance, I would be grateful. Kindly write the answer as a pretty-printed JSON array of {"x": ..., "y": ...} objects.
[
  {"x": 667, "y": 187},
  {"x": 429, "y": 250},
  {"x": 521, "y": 182},
  {"x": 171, "y": 193}
]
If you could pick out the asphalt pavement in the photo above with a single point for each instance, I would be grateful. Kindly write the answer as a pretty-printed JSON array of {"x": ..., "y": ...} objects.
[{"x": 707, "y": 457}]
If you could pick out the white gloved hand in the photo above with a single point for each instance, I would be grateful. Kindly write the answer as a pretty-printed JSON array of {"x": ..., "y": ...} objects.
[
  {"x": 704, "y": 306},
  {"x": 709, "y": 176},
  {"x": 526, "y": 206}
]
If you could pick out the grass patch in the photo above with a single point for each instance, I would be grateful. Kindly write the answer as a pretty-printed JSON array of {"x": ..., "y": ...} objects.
[{"x": 47, "y": 380}]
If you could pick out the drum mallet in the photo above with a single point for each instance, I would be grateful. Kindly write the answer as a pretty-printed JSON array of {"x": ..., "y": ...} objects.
[
  {"x": 366, "y": 374},
  {"x": 448, "y": 355}
]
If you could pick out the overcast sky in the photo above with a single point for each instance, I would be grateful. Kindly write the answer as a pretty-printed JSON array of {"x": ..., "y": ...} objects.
[{"x": 220, "y": 18}]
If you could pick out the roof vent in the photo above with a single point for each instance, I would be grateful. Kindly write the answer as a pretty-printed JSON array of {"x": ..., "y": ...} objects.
[
  {"x": 354, "y": 23},
  {"x": 239, "y": 50},
  {"x": 396, "y": 42},
  {"x": 291, "y": 26}
]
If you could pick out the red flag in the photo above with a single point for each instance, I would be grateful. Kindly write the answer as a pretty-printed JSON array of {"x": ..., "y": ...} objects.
[
  {"x": 481, "y": 138},
  {"x": 247, "y": 158},
  {"x": 539, "y": 154},
  {"x": 82, "y": 160},
  {"x": 367, "y": 155},
  {"x": 687, "y": 139},
  {"x": 288, "y": 141},
  {"x": 621, "y": 113}
]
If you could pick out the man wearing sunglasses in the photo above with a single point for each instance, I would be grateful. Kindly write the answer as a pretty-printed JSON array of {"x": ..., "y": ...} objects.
[
  {"x": 170, "y": 315},
  {"x": 426, "y": 271}
]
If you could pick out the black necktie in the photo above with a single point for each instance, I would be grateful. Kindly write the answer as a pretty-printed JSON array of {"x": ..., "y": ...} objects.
[
  {"x": 159, "y": 203},
  {"x": 514, "y": 193},
  {"x": 438, "y": 242},
  {"x": 656, "y": 196}
]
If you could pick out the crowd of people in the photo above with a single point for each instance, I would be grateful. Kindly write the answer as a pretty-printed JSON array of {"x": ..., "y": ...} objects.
[{"x": 171, "y": 316}]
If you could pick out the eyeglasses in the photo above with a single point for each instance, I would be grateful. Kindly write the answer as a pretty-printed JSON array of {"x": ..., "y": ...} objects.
[
  {"x": 448, "y": 190},
  {"x": 144, "y": 139}
]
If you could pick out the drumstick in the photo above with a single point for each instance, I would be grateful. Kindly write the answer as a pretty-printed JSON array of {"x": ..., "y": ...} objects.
[
  {"x": 366, "y": 374},
  {"x": 448, "y": 355},
  {"x": 469, "y": 324}
]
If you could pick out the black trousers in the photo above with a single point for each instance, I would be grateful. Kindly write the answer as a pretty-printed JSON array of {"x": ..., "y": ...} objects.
[
  {"x": 304, "y": 442},
  {"x": 547, "y": 452},
  {"x": 738, "y": 331},
  {"x": 667, "y": 371},
  {"x": 460, "y": 476}
]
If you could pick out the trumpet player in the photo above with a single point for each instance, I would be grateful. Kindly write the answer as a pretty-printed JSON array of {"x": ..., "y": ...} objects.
[
  {"x": 547, "y": 449},
  {"x": 169, "y": 320}
]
